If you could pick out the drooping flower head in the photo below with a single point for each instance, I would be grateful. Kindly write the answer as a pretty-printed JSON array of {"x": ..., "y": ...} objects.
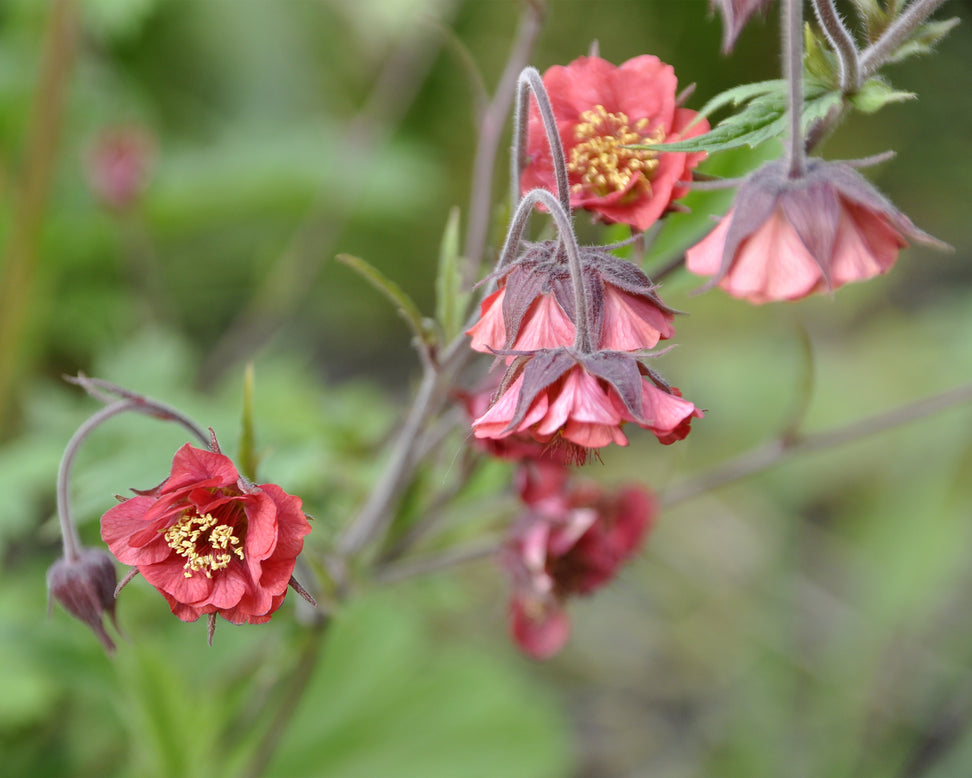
[
  {"x": 85, "y": 586},
  {"x": 534, "y": 305},
  {"x": 581, "y": 401},
  {"x": 568, "y": 549},
  {"x": 786, "y": 238},
  {"x": 600, "y": 109},
  {"x": 209, "y": 541}
]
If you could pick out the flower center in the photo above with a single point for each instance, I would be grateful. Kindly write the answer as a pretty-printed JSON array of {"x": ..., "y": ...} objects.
[
  {"x": 600, "y": 159},
  {"x": 206, "y": 545}
]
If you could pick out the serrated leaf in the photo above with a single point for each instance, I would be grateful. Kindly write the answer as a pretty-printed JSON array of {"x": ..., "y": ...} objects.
[
  {"x": 764, "y": 117},
  {"x": 875, "y": 94},
  {"x": 450, "y": 301},
  {"x": 404, "y": 304}
]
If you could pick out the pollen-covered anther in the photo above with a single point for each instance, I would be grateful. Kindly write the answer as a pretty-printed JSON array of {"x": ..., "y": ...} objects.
[
  {"x": 600, "y": 158},
  {"x": 184, "y": 538}
]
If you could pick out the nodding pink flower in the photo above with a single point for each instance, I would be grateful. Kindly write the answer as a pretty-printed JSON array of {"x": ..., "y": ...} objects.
[
  {"x": 735, "y": 15},
  {"x": 601, "y": 109},
  {"x": 534, "y": 307},
  {"x": 569, "y": 548},
  {"x": 209, "y": 541},
  {"x": 583, "y": 400},
  {"x": 786, "y": 238},
  {"x": 85, "y": 586}
]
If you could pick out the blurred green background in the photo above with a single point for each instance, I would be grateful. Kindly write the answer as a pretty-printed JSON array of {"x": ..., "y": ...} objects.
[{"x": 810, "y": 621}]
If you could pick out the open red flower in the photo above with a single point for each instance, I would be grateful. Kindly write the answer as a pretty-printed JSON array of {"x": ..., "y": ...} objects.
[
  {"x": 786, "y": 238},
  {"x": 600, "y": 109},
  {"x": 570, "y": 548},
  {"x": 209, "y": 541}
]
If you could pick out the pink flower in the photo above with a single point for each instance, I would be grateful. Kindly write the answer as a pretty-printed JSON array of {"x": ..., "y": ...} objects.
[
  {"x": 118, "y": 165},
  {"x": 787, "y": 238},
  {"x": 209, "y": 541},
  {"x": 534, "y": 307},
  {"x": 601, "y": 108},
  {"x": 583, "y": 400},
  {"x": 569, "y": 548}
]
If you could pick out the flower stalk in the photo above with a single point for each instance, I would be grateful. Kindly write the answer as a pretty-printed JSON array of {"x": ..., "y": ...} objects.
[
  {"x": 843, "y": 43},
  {"x": 897, "y": 33},
  {"x": 792, "y": 45}
]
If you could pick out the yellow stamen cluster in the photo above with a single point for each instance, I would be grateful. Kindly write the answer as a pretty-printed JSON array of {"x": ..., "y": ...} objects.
[
  {"x": 599, "y": 158},
  {"x": 184, "y": 537}
]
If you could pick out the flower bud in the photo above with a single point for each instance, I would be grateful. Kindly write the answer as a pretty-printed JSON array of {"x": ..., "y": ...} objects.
[{"x": 86, "y": 588}]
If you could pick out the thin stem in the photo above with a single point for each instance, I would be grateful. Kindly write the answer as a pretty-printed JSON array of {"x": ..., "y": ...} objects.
[
  {"x": 561, "y": 217},
  {"x": 530, "y": 81},
  {"x": 792, "y": 40},
  {"x": 131, "y": 402},
  {"x": 768, "y": 454},
  {"x": 490, "y": 131},
  {"x": 843, "y": 43},
  {"x": 897, "y": 33},
  {"x": 18, "y": 266},
  {"x": 436, "y": 562}
]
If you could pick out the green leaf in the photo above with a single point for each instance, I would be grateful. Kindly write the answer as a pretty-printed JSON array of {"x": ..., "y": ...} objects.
[
  {"x": 873, "y": 17},
  {"x": 450, "y": 301},
  {"x": 763, "y": 118},
  {"x": 404, "y": 304},
  {"x": 924, "y": 40},
  {"x": 875, "y": 94}
]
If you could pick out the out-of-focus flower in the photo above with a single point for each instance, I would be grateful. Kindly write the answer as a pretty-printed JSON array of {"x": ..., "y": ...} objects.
[
  {"x": 86, "y": 588},
  {"x": 601, "y": 109},
  {"x": 209, "y": 541},
  {"x": 583, "y": 400},
  {"x": 735, "y": 15},
  {"x": 566, "y": 549},
  {"x": 786, "y": 238},
  {"x": 534, "y": 305},
  {"x": 118, "y": 165}
]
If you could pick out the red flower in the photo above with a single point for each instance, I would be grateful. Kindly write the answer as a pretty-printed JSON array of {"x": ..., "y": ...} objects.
[
  {"x": 786, "y": 238},
  {"x": 118, "y": 165},
  {"x": 534, "y": 307},
  {"x": 583, "y": 399},
  {"x": 209, "y": 541},
  {"x": 600, "y": 108},
  {"x": 573, "y": 548}
]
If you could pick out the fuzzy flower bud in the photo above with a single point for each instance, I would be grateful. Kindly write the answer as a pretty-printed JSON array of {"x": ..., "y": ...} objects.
[{"x": 86, "y": 588}]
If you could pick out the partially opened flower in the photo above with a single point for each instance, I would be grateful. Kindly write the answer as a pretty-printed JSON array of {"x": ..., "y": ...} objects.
[
  {"x": 534, "y": 305},
  {"x": 583, "y": 400},
  {"x": 209, "y": 541},
  {"x": 601, "y": 109},
  {"x": 786, "y": 238},
  {"x": 569, "y": 548}
]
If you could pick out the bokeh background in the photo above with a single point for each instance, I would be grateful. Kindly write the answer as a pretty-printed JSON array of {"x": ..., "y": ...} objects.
[{"x": 812, "y": 620}]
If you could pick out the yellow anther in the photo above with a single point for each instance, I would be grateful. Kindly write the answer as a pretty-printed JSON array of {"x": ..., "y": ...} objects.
[
  {"x": 183, "y": 538},
  {"x": 600, "y": 159}
]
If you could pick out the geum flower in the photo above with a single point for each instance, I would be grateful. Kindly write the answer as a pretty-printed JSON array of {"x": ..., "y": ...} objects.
[
  {"x": 601, "y": 109},
  {"x": 209, "y": 541},
  {"x": 572, "y": 548},
  {"x": 786, "y": 238},
  {"x": 582, "y": 401},
  {"x": 534, "y": 305}
]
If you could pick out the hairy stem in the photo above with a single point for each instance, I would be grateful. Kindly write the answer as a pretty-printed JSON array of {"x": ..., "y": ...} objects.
[
  {"x": 843, "y": 43},
  {"x": 897, "y": 33},
  {"x": 791, "y": 37},
  {"x": 530, "y": 81}
]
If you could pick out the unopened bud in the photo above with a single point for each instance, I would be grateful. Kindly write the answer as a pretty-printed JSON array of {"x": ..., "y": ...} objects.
[{"x": 86, "y": 589}]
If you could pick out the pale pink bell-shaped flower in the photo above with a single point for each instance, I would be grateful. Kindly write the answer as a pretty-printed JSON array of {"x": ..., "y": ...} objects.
[{"x": 786, "y": 238}]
